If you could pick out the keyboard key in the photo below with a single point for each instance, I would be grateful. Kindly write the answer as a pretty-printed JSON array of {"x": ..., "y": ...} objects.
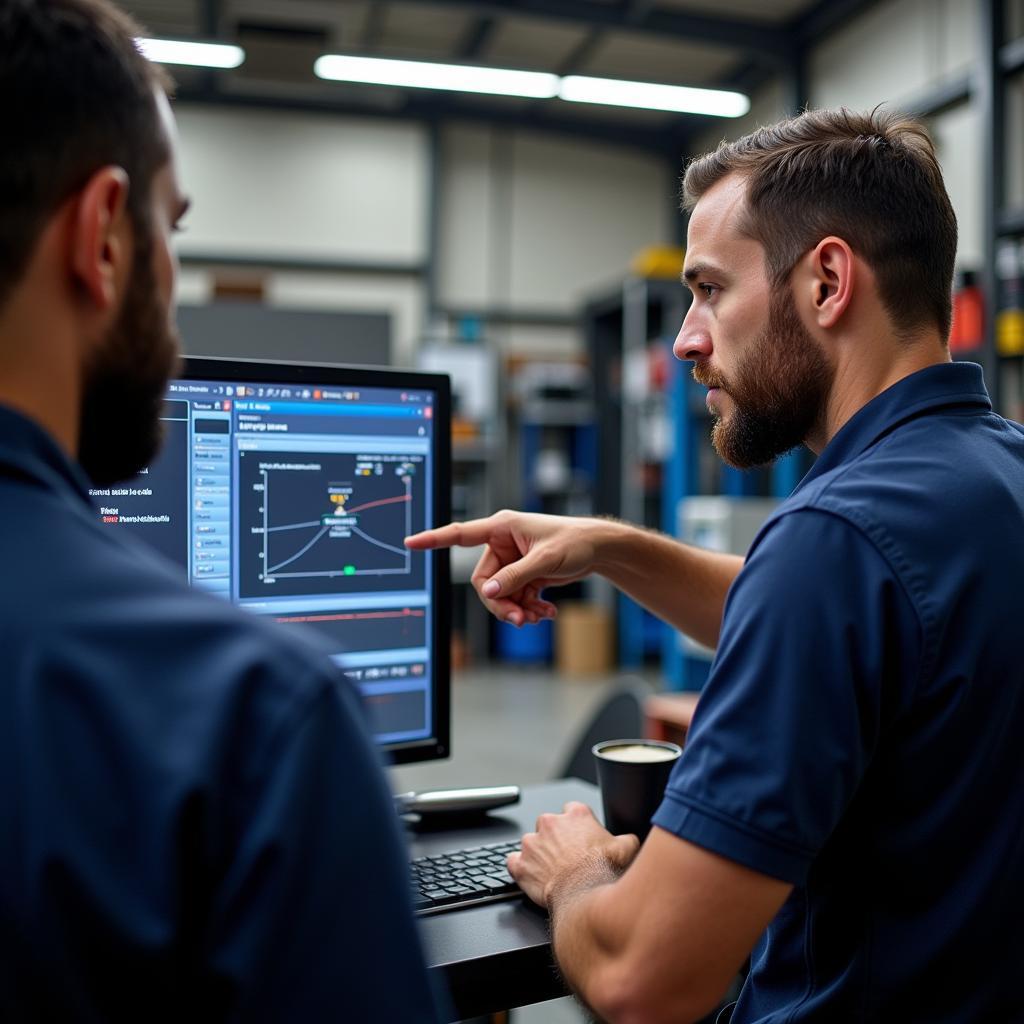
[
  {"x": 464, "y": 876},
  {"x": 445, "y": 898},
  {"x": 493, "y": 884}
]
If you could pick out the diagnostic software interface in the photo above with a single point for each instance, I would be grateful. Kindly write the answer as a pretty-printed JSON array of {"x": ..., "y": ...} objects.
[{"x": 293, "y": 502}]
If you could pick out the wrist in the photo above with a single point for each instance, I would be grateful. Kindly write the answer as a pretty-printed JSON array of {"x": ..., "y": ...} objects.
[
  {"x": 593, "y": 869},
  {"x": 613, "y": 543}
]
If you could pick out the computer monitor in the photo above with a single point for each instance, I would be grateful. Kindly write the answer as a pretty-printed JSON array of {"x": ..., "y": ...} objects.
[{"x": 287, "y": 489}]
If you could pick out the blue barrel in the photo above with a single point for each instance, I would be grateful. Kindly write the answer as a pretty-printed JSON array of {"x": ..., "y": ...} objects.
[{"x": 529, "y": 645}]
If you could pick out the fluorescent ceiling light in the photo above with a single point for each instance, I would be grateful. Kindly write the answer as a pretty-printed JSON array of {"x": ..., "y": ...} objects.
[
  {"x": 202, "y": 55},
  {"x": 423, "y": 75},
  {"x": 650, "y": 96},
  {"x": 418, "y": 74}
]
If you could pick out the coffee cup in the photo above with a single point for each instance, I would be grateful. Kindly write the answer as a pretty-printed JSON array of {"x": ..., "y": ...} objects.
[{"x": 632, "y": 775}]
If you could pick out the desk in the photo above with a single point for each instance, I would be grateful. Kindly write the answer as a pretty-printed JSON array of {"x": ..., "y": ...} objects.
[{"x": 497, "y": 956}]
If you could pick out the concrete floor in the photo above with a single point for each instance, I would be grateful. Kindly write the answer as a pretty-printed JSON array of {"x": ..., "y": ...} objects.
[{"x": 514, "y": 726}]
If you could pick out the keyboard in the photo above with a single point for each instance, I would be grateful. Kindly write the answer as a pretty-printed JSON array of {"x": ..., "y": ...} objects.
[{"x": 463, "y": 878}]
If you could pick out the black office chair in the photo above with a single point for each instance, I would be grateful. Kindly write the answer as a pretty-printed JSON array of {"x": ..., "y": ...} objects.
[{"x": 619, "y": 716}]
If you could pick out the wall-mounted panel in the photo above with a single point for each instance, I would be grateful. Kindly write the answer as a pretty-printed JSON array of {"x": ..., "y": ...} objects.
[{"x": 243, "y": 331}]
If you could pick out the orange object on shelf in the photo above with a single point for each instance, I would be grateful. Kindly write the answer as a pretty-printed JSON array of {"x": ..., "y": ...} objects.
[{"x": 968, "y": 330}]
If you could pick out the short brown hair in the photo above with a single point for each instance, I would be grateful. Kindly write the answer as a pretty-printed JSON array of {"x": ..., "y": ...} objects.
[
  {"x": 871, "y": 179},
  {"x": 77, "y": 96}
]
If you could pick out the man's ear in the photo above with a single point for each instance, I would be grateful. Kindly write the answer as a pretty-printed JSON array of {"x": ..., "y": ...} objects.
[
  {"x": 829, "y": 278},
  {"x": 100, "y": 237}
]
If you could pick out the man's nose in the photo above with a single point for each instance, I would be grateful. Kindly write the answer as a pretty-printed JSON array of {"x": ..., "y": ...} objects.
[{"x": 693, "y": 341}]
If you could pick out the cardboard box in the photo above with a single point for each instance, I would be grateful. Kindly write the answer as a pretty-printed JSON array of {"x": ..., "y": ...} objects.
[{"x": 585, "y": 639}]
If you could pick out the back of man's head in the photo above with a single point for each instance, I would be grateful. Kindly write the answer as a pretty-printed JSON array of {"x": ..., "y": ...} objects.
[
  {"x": 78, "y": 96},
  {"x": 870, "y": 179}
]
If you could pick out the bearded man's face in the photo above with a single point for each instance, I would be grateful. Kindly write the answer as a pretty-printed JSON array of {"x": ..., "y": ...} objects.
[
  {"x": 125, "y": 383},
  {"x": 779, "y": 389}
]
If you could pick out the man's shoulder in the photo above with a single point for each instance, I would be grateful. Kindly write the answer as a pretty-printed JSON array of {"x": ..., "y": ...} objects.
[{"x": 931, "y": 473}]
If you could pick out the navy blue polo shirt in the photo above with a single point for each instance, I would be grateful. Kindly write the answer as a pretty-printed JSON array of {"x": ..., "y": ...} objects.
[
  {"x": 862, "y": 728},
  {"x": 193, "y": 821}
]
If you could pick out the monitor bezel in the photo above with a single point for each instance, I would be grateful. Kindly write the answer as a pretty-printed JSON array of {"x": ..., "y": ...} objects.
[{"x": 199, "y": 368}]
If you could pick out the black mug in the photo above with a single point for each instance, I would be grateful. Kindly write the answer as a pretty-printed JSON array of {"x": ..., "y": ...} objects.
[{"x": 632, "y": 775}]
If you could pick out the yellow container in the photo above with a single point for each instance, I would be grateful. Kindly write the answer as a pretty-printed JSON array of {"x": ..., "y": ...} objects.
[
  {"x": 1010, "y": 332},
  {"x": 659, "y": 261}
]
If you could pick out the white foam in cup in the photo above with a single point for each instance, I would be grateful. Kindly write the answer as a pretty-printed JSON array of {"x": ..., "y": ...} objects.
[{"x": 638, "y": 753}]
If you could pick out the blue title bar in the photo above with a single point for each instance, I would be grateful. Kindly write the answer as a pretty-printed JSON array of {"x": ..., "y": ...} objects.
[{"x": 329, "y": 409}]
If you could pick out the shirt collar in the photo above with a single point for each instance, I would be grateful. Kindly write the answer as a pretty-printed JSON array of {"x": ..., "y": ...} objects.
[
  {"x": 27, "y": 450},
  {"x": 934, "y": 387}
]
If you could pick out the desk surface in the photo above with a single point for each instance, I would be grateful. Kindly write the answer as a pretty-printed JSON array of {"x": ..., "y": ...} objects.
[{"x": 498, "y": 955}]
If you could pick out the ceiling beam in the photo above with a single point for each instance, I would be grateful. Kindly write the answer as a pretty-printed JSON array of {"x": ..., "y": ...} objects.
[
  {"x": 768, "y": 42},
  {"x": 637, "y": 10},
  {"x": 373, "y": 28},
  {"x": 476, "y": 38},
  {"x": 577, "y": 57},
  {"x": 210, "y": 17}
]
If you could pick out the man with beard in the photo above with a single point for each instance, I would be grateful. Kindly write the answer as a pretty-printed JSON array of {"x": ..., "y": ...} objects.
[
  {"x": 186, "y": 795},
  {"x": 849, "y": 807}
]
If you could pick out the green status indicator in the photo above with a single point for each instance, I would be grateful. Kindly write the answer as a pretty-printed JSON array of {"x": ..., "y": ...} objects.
[{"x": 350, "y": 570}]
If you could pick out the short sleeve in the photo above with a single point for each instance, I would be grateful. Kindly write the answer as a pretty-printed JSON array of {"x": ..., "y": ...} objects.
[{"x": 820, "y": 645}]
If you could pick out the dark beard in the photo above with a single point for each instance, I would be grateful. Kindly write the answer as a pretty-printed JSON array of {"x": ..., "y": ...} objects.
[
  {"x": 120, "y": 429},
  {"x": 779, "y": 392}
]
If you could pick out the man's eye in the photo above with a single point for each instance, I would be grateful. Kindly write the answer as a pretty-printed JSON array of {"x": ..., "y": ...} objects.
[{"x": 708, "y": 289}]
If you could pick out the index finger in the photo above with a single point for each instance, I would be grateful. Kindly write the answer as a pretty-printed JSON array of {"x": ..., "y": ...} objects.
[{"x": 463, "y": 535}]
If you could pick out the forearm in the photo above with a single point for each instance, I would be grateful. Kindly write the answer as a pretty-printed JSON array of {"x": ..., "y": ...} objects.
[
  {"x": 585, "y": 947},
  {"x": 608, "y": 962},
  {"x": 683, "y": 585},
  {"x": 594, "y": 938}
]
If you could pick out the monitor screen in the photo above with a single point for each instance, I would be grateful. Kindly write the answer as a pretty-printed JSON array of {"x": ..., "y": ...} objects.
[{"x": 287, "y": 489}]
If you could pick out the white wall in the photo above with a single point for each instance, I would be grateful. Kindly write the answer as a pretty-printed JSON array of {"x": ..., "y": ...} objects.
[
  {"x": 893, "y": 52},
  {"x": 579, "y": 213},
  {"x": 303, "y": 186},
  {"x": 469, "y": 269},
  {"x": 532, "y": 222}
]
